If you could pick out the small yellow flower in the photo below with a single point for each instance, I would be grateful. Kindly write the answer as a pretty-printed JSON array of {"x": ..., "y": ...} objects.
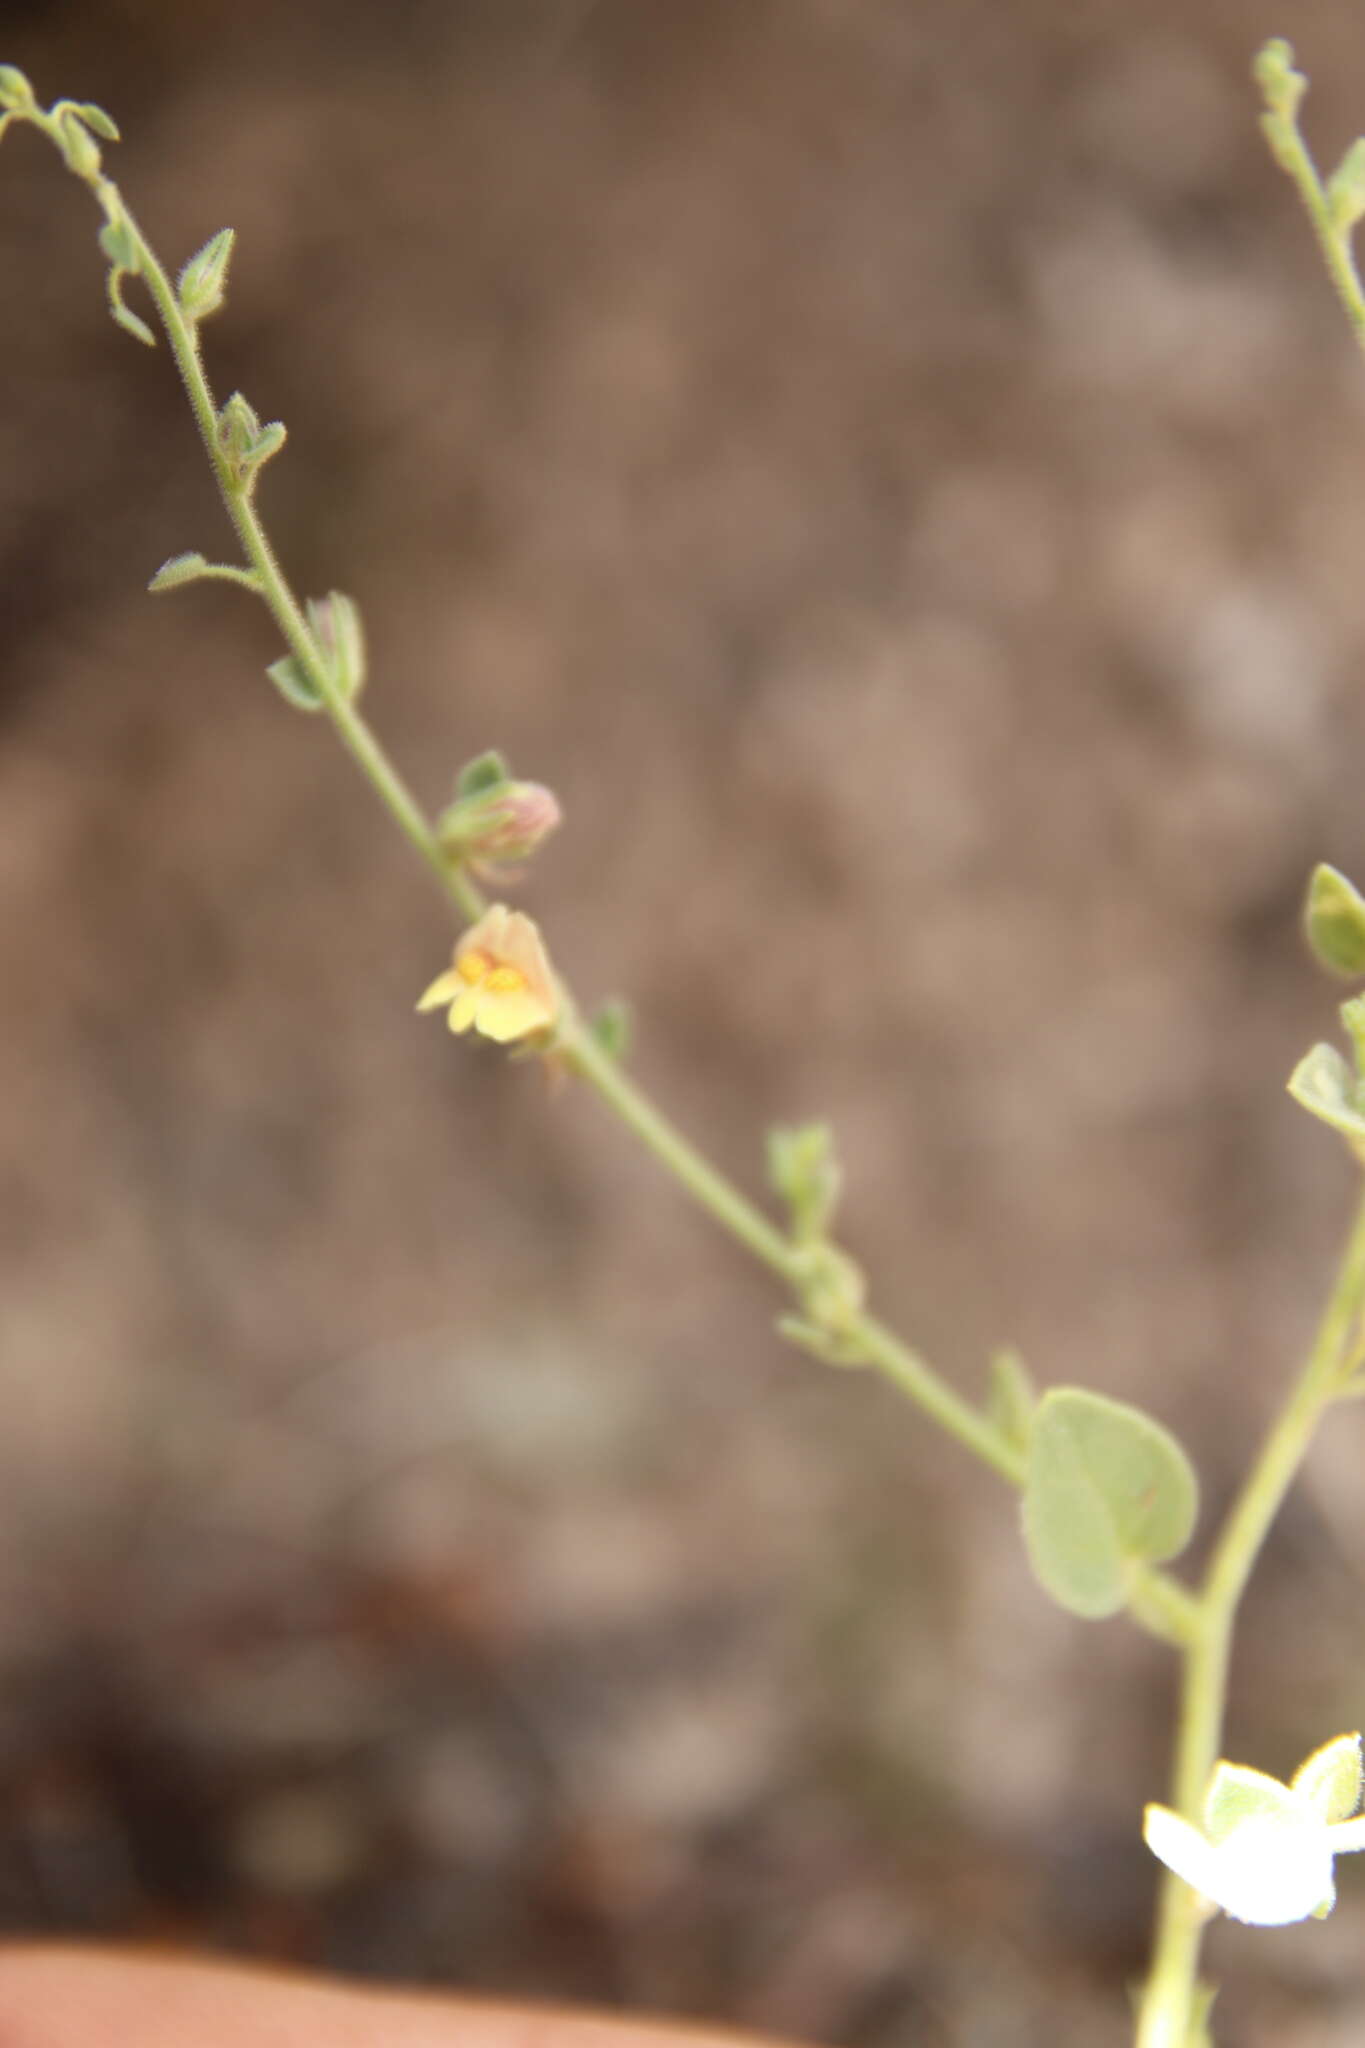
[{"x": 500, "y": 981}]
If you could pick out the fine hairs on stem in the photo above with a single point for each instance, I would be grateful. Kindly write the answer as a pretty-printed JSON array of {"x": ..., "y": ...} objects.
[{"x": 1109, "y": 1498}]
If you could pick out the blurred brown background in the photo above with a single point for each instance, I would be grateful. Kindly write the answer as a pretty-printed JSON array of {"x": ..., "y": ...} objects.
[{"x": 897, "y": 470}]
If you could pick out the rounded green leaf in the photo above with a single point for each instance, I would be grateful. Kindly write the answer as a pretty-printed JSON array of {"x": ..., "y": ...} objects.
[{"x": 1107, "y": 1488}]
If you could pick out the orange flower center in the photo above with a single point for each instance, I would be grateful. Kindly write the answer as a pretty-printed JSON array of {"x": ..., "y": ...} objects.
[{"x": 479, "y": 970}]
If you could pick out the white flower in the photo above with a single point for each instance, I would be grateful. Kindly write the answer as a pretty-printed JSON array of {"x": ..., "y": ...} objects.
[{"x": 1264, "y": 1853}]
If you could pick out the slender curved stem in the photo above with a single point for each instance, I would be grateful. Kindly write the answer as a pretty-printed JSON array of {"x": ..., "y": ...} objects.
[
  {"x": 867, "y": 1340},
  {"x": 1167, "y": 2007}
]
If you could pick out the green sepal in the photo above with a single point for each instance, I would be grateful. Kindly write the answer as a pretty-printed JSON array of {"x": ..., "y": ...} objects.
[
  {"x": 484, "y": 772},
  {"x": 1107, "y": 1487},
  {"x": 1330, "y": 1779},
  {"x": 202, "y": 284},
  {"x": 611, "y": 1026},
  {"x": 295, "y": 685},
  {"x": 340, "y": 640},
  {"x": 1013, "y": 1398},
  {"x": 1334, "y": 910},
  {"x": 1238, "y": 1794},
  {"x": 1324, "y": 1085}
]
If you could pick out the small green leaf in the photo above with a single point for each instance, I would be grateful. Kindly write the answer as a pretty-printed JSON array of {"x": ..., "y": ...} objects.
[
  {"x": 611, "y": 1027},
  {"x": 803, "y": 1171},
  {"x": 120, "y": 245},
  {"x": 15, "y": 91},
  {"x": 268, "y": 442},
  {"x": 484, "y": 772},
  {"x": 179, "y": 569},
  {"x": 202, "y": 284},
  {"x": 294, "y": 684},
  {"x": 1107, "y": 1487},
  {"x": 1331, "y": 1778},
  {"x": 1282, "y": 87},
  {"x": 1346, "y": 187},
  {"x": 1323, "y": 1084},
  {"x": 126, "y": 319},
  {"x": 192, "y": 568},
  {"x": 96, "y": 118},
  {"x": 1012, "y": 1398},
  {"x": 1334, "y": 909}
]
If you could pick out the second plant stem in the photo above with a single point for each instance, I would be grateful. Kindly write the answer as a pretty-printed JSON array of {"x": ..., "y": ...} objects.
[{"x": 1167, "y": 2008}]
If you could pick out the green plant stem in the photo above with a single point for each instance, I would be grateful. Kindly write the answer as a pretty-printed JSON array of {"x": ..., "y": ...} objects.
[
  {"x": 732, "y": 1210},
  {"x": 1158, "y": 1603},
  {"x": 284, "y": 607},
  {"x": 1291, "y": 153},
  {"x": 1167, "y": 2007},
  {"x": 870, "y": 1340}
]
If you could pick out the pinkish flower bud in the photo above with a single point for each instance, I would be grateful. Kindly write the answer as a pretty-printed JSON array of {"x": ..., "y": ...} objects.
[{"x": 493, "y": 828}]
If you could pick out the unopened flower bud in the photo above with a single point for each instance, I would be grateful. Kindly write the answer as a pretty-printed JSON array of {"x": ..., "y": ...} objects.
[{"x": 494, "y": 829}]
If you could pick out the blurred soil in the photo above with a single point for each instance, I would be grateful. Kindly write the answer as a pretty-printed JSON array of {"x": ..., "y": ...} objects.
[{"x": 897, "y": 471}]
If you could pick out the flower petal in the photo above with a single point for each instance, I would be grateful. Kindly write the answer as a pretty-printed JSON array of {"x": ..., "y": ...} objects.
[
  {"x": 513, "y": 1013},
  {"x": 1270, "y": 1874},
  {"x": 442, "y": 991},
  {"x": 1178, "y": 1844},
  {"x": 464, "y": 1010}
]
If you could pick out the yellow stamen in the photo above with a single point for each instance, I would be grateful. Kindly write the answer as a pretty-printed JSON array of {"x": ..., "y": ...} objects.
[
  {"x": 472, "y": 967},
  {"x": 503, "y": 980}
]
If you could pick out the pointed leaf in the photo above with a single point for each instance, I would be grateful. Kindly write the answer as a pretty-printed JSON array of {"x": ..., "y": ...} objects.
[
  {"x": 96, "y": 118},
  {"x": 203, "y": 281},
  {"x": 127, "y": 320},
  {"x": 1106, "y": 1487},
  {"x": 15, "y": 90},
  {"x": 1334, "y": 922},
  {"x": 180, "y": 569},
  {"x": 485, "y": 771}
]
